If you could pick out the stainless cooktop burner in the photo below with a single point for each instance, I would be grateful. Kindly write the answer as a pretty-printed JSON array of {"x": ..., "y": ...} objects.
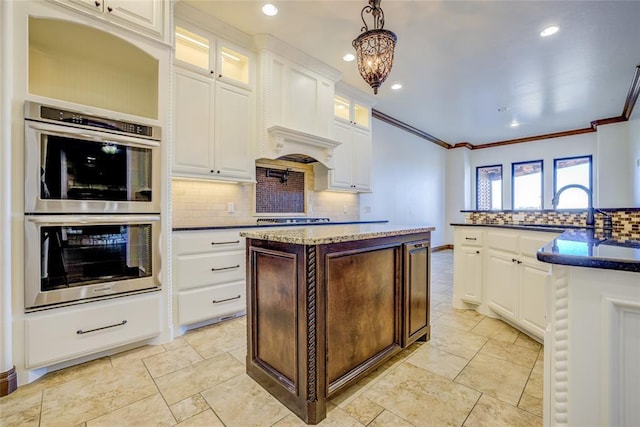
[{"x": 299, "y": 220}]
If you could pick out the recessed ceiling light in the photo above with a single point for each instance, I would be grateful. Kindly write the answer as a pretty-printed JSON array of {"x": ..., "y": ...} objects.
[
  {"x": 269, "y": 9},
  {"x": 514, "y": 124},
  {"x": 396, "y": 86},
  {"x": 549, "y": 31},
  {"x": 349, "y": 57}
]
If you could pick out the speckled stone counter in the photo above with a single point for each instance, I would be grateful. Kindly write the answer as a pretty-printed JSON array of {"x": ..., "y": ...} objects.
[
  {"x": 320, "y": 235},
  {"x": 584, "y": 248}
]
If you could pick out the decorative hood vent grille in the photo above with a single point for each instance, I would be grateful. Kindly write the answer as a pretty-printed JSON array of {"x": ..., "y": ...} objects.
[{"x": 285, "y": 142}]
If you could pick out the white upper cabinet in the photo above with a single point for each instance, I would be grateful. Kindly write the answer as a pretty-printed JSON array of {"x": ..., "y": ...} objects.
[
  {"x": 351, "y": 111},
  {"x": 224, "y": 61},
  {"x": 213, "y": 109},
  {"x": 352, "y": 158},
  {"x": 297, "y": 97},
  {"x": 144, "y": 16}
]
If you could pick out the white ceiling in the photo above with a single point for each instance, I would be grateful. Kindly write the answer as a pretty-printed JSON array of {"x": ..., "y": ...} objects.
[{"x": 460, "y": 61}]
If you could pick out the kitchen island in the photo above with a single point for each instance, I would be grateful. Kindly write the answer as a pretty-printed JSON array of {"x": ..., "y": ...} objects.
[
  {"x": 326, "y": 305},
  {"x": 592, "y": 343}
]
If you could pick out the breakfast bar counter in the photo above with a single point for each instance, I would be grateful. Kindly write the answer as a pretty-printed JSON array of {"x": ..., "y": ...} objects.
[{"x": 326, "y": 305}]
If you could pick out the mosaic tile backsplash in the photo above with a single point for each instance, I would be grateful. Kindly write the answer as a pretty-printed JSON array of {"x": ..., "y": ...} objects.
[{"x": 625, "y": 222}]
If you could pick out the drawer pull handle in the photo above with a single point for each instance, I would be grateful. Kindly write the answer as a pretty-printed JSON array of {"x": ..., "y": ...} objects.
[
  {"x": 80, "y": 331},
  {"x": 226, "y": 268},
  {"x": 226, "y": 299},
  {"x": 470, "y": 238},
  {"x": 225, "y": 243}
]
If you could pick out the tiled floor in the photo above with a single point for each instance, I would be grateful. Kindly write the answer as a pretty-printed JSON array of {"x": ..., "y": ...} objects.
[{"x": 475, "y": 371}]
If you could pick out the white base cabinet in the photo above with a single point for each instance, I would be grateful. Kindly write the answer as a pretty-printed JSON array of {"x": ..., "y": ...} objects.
[
  {"x": 67, "y": 333},
  {"x": 469, "y": 264},
  {"x": 497, "y": 273},
  {"x": 209, "y": 272}
]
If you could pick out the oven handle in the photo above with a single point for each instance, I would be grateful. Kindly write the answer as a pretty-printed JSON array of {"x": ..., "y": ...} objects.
[
  {"x": 90, "y": 219},
  {"x": 70, "y": 132}
]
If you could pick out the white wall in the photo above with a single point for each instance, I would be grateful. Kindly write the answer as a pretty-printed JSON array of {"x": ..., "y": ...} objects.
[
  {"x": 407, "y": 179},
  {"x": 458, "y": 188},
  {"x": 634, "y": 147},
  {"x": 547, "y": 150},
  {"x": 614, "y": 171}
]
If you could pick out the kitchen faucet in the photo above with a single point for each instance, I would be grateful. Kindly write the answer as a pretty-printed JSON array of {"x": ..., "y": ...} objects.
[{"x": 590, "y": 211}]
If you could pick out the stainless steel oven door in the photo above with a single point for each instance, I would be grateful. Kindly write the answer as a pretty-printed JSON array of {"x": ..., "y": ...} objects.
[
  {"x": 72, "y": 170},
  {"x": 76, "y": 258}
]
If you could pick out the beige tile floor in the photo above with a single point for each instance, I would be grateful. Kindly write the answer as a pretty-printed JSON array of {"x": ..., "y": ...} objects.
[{"x": 475, "y": 371}]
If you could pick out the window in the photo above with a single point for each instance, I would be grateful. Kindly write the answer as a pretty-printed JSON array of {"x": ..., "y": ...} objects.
[
  {"x": 568, "y": 171},
  {"x": 526, "y": 185},
  {"x": 489, "y": 188}
]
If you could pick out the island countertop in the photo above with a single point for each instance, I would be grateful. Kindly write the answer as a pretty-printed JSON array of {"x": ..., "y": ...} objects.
[{"x": 324, "y": 234}]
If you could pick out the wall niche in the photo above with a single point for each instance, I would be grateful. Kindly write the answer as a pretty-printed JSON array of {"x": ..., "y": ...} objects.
[{"x": 83, "y": 65}]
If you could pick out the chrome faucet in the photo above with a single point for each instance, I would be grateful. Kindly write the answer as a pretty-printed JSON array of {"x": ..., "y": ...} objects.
[{"x": 590, "y": 211}]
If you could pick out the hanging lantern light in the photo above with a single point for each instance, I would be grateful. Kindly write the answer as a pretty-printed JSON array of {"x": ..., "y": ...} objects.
[{"x": 374, "y": 48}]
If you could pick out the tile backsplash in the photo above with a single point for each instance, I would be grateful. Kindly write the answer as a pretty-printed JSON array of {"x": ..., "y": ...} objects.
[
  {"x": 625, "y": 222},
  {"x": 199, "y": 203}
]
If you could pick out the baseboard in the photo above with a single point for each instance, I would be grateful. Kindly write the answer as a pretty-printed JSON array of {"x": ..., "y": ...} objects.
[{"x": 441, "y": 248}]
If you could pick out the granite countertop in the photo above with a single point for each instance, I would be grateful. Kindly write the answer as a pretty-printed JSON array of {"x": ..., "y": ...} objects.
[
  {"x": 318, "y": 235},
  {"x": 228, "y": 227},
  {"x": 584, "y": 248}
]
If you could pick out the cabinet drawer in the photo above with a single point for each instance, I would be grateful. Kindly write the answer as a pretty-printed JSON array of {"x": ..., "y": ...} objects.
[
  {"x": 70, "y": 332},
  {"x": 207, "y": 303},
  {"x": 507, "y": 242},
  {"x": 193, "y": 271},
  {"x": 201, "y": 242},
  {"x": 471, "y": 237}
]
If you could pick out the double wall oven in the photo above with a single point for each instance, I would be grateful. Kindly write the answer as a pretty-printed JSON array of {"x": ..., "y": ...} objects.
[{"x": 92, "y": 207}]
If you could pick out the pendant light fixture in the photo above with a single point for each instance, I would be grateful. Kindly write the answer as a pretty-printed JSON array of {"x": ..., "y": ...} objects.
[{"x": 374, "y": 48}]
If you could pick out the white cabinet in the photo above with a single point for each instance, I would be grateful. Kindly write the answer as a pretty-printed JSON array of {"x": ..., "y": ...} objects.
[
  {"x": 208, "y": 275},
  {"x": 352, "y": 158},
  {"x": 213, "y": 112},
  {"x": 516, "y": 280},
  {"x": 146, "y": 16},
  {"x": 496, "y": 270},
  {"x": 468, "y": 264},
  {"x": 61, "y": 334},
  {"x": 296, "y": 96},
  {"x": 502, "y": 283}
]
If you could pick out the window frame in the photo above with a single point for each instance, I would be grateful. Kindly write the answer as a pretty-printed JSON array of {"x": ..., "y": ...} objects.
[
  {"x": 555, "y": 168},
  {"x": 513, "y": 189},
  {"x": 501, "y": 193}
]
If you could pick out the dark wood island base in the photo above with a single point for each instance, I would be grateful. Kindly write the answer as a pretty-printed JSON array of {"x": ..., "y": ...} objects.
[{"x": 327, "y": 307}]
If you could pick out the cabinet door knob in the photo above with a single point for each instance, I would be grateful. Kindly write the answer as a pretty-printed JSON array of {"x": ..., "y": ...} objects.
[
  {"x": 513, "y": 260},
  {"x": 519, "y": 262},
  {"x": 97, "y": 3},
  {"x": 219, "y": 76},
  {"x": 477, "y": 252},
  {"x": 212, "y": 171},
  {"x": 109, "y": 8}
]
